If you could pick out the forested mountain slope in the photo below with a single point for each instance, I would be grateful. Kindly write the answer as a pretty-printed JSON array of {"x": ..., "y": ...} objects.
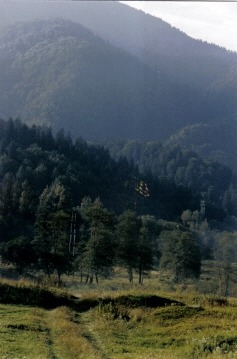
[
  {"x": 51, "y": 79},
  {"x": 59, "y": 73},
  {"x": 33, "y": 162},
  {"x": 157, "y": 43},
  {"x": 176, "y": 162},
  {"x": 214, "y": 141},
  {"x": 153, "y": 40},
  {"x": 207, "y": 70},
  {"x": 133, "y": 77}
]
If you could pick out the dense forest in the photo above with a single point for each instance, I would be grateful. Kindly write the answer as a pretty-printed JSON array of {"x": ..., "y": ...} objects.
[
  {"x": 173, "y": 161},
  {"x": 215, "y": 141},
  {"x": 34, "y": 155},
  {"x": 60, "y": 201}
]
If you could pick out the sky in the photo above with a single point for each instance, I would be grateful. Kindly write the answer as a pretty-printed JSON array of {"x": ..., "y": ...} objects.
[{"x": 214, "y": 22}]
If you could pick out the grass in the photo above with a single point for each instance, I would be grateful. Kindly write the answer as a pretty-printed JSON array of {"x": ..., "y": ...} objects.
[
  {"x": 116, "y": 329},
  {"x": 23, "y": 333},
  {"x": 167, "y": 332},
  {"x": 34, "y": 333},
  {"x": 113, "y": 320}
]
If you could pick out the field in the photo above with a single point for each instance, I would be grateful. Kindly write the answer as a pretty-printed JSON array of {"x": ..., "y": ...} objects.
[{"x": 113, "y": 320}]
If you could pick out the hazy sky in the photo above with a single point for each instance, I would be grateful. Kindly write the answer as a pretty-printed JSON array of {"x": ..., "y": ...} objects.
[{"x": 214, "y": 22}]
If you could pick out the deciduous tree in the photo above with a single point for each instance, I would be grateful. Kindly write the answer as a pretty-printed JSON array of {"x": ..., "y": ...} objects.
[{"x": 180, "y": 254}]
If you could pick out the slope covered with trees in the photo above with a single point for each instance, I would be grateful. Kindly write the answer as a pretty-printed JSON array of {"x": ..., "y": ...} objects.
[
  {"x": 32, "y": 160},
  {"x": 177, "y": 81},
  {"x": 60, "y": 74},
  {"x": 54, "y": 191},
  {"x": 163, "y": 47},
  {"x": 214, "y": 141},
  {"x": 56, "y": 70},
  {"x": 68, "y": 207},
  {"x": 176, "y": 160},
  {"x": 153, "y": 40},
  {"x": 134, "y": 76}
]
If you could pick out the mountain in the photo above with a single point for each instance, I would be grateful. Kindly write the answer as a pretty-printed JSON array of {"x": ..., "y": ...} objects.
[
  {"x": 154, "y": 41},
  {"x": 115, "y": 72},
  {"x": 157, "y": 43},
  {"x": 59, "y": 73},
  {"x": 206, "y": 69}
]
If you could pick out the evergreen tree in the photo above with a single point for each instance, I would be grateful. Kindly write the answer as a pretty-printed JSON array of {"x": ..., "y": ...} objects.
[
  {"x": 128, "y": 232},
  {"x": 51, "y": 226},
  {"x": 26, "y": 201},
  {"x": 186, "y": 217},
  {"x": 225, "y": 255},
  {"x": 19, "y": 252},
  {"x": 9, "y": 226},
  {"x": 98, "y": 256},
  {"x": 147, "y": 249},
  {"x": 180, "y": 254}
]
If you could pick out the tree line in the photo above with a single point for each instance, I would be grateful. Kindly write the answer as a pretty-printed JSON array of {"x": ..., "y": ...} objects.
[
  {"x": 92, "y": 240},
  {"x": 69, "y": 207},
  {"x": 31, "y": 158}
]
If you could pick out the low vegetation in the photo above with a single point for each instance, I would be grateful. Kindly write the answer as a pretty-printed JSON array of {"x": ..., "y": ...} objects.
[{"x": 95, "y": 323}]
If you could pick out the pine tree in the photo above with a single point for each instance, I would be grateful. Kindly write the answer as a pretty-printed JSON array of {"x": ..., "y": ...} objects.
[
  {"x": 51, "y": 226},
  {"x": 18, "y": 251},
  {"x": 225, "y": 254},
  {"x": 128, "y": 232},
  {"x": 147, "y": 246},
  {"x": 98, "y": 256}
]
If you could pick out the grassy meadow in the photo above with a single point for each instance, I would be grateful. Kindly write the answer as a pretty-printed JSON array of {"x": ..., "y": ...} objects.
[{"x": 114, "y": 320}]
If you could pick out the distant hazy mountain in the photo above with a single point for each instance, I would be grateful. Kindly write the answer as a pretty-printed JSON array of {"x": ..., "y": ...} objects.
[
  {"x": 59, "y": 73},
  {"x": 157, "y": 43},
  {"x": 134, "y": 76},
  {"x": 207, "y": 68}
]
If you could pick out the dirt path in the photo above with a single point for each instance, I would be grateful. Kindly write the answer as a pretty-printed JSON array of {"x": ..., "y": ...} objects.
[
  {"x": 91, "y": 336},
  {"x": 50, "y": 345},
  {"x": 70, "y": 337}
]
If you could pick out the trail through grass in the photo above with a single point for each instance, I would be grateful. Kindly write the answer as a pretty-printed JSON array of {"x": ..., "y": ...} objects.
[
  {"x": 115, "y": 331},
  {"x": 34, "y": 333},
  {"x": 135, "y": 323}
]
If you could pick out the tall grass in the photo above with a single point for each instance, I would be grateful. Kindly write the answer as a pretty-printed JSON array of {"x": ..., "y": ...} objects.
[
  {"x": 115, "y": 321},
  {"x": 190, "y": 331},
  {"x": 22, "y": 333}
]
